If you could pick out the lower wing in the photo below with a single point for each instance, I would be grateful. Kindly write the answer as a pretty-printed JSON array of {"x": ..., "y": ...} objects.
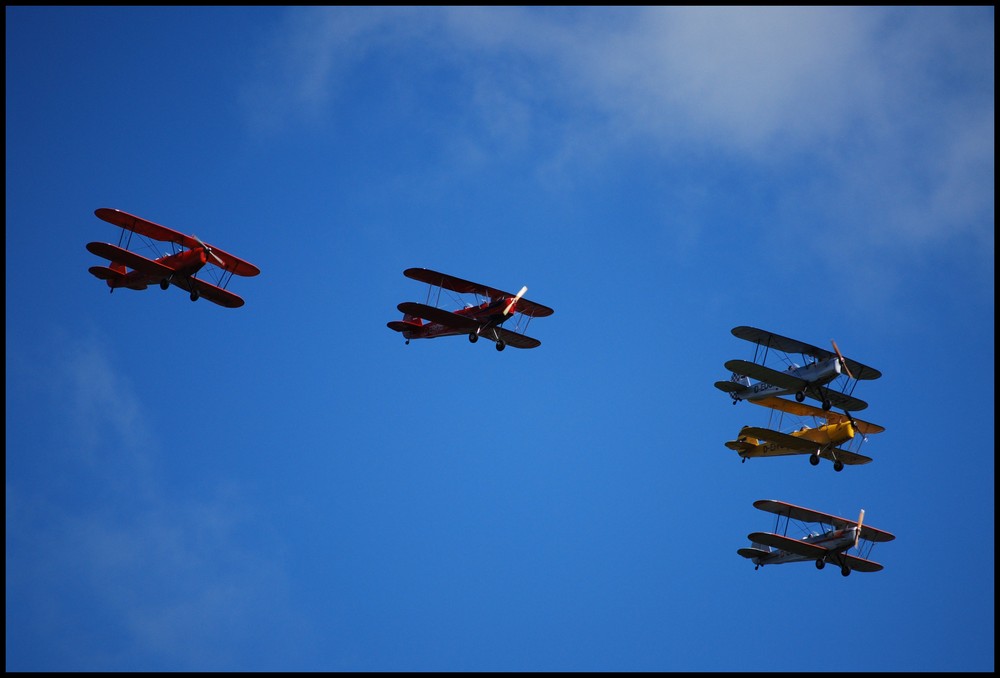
[
  {"x": 795, "y": 546},
  {"x": 209, "y": 291},
  {"x": 155, "y": 270}
]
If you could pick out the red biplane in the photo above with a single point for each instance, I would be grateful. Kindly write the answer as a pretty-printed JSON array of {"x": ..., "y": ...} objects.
[
  {"x": 492, "y": 309},
  {"x": 179, "y": 268}
]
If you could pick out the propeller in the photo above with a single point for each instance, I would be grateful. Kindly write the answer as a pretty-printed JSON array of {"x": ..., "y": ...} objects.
[
  {"x": 513, "y": 301},
  {"x": 857, "y": 532},
  {"x": 209, "y": 250},
  {"x": 840, "y": 356}
]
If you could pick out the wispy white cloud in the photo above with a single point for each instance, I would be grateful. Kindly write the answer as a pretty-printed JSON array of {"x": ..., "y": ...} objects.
[{"x": 893, "y": 105}]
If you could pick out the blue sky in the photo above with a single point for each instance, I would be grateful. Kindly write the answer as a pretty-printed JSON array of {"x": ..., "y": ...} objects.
[{"x": 287, "y": 486}]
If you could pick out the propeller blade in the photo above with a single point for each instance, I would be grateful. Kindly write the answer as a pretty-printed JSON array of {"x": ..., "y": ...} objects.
[
  {"x": 840, "y": 356},
  {"x": 209, "y": 250},
  {"x": 513, "y": 301},
  {"x": 857, "y": 533}
]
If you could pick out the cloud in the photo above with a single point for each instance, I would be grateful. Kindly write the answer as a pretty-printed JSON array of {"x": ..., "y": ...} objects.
[{"x": 885, "y": 115}]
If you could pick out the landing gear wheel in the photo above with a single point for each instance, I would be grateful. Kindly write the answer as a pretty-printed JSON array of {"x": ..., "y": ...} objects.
[
  {"x": 846, "y": 571},
  {"x": 473, "y": 337},
  {"x": 164, "y": 284},
  {"x": 814, "y": 459},
  {"x": 194, "y": 295},
  {"x": 838, "y": 466},
  {"x": 827, "y": 405},
  {"x": 820, "y": 564},
  {"x": 800, "y": 396},
  {"x": 501, "y": 346}
]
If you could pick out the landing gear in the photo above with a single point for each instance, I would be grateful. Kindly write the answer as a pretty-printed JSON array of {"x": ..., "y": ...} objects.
[
  {"x": 820, "y": 564},
  {"x": 814, "y": 458},
  {"x": 194, "y": 295},
  {"x": 800, "y": 396},
  {"x": 407, "y": 342},
  {"x": 846, "y": 571},
  {"x": 164, "y": 284},
  {"x": 473, "y": 337},
  {"x": 501, "y": 345},
  {"x": 838, "y": 466},
  {"x": 827, "y": 405}
]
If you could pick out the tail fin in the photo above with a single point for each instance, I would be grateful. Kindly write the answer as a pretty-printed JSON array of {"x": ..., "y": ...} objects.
[
  {"x": 760, "y": 547},
  {"x": 412, "y": 319}
]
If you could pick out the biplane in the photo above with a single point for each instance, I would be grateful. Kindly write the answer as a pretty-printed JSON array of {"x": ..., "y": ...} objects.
[
  {"x": 830, "y": 543},
  {"x": 180, "y": 268},
  {"x": 818, "y": 442},
  {"x": 821, "y": 368},
  {"x": 484, "y": 318}
]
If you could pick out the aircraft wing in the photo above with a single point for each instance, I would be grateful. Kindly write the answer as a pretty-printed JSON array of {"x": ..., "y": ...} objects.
[
  {"x": 796, "y": 546},
  {"x": 438, "y": 315},
  {"x": 450, "y": 282},
  {"x": 791, "y": 383},
  {"x": 842, "y": 400},
  {"x": 766, "y": 375},
  {"x": 808, "y": 515},
  {"x": 859, "y": 564},
  {"x": 786, "y": 345},
  {"x": 783, "y": 439},
  {"x": 209, "y": 291},
  {"x": 804, "y": 410},
  {"x": 153, "y": 269},
  {"x": 517, "y": 340},
  {"x": 147, "y": 228},
  {"x": 799, "y": 513}
]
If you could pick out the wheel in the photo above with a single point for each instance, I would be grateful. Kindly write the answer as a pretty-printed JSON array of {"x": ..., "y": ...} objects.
[
  {"x": 473, "y": 337},
  {"x": 820, "y": 564},
  {"x": 164, "y": 284},
  {"x": 800, "y": 396},
  {"x": 814, "y": 459},
  {"x": 846, "y": 571},
  {"x": 838, "y": 466},
  {"x": 501, "y": 346},
  {"x": 407, "y": 342},
  {"x": 194, "y": 295},
  {"x": 827, "y": 405}
]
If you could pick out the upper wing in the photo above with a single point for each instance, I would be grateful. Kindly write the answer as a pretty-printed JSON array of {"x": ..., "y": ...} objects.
[
  {"x": 780, "y": 343},
  {"x": 147, "y": 228},
  {"x": 804, "y": 410},
  {"x": 209, "y": 291},
  {"x": 438, "y": 315},
  {"x": 153, "y": 269},
  {"x": 450, "y": 282},
  {"x": 808, "y": 515},
  {"x": 795, "y": 546},
  {"x": 799, "y": 513}
]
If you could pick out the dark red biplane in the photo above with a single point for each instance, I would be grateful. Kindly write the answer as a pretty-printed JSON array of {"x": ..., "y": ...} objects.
[
  {"x": 180, "y": 268},
  {"x": 486, "y": 317}
]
